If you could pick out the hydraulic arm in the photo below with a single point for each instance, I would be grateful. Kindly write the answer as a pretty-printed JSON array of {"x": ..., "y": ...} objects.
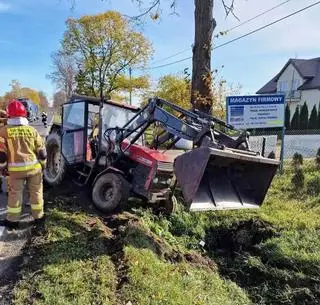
[{"x": 193, "y": 126}]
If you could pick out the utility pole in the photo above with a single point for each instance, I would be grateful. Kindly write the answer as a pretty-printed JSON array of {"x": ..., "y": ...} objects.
[{"x": 130, "y": 89}]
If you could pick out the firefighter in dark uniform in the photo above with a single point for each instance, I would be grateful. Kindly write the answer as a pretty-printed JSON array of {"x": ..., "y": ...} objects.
[{"x": 45, "y": 119}]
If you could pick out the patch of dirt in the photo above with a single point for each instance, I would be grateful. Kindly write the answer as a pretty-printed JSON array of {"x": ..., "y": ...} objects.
[
  {"x": 8, "y": 280},
  {"x": 242, "y": 236},
  {"x": 198, "y": 260},
  {"x": 117, "y": 224},
  {"x": 140, "y": 237}
]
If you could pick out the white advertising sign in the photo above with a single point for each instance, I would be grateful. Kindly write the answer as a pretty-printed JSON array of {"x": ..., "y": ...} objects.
[{"x": 256, "y": 111}]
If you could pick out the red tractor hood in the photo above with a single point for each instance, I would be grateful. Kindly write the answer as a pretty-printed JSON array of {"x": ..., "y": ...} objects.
[{"x": 147, "y": 156}]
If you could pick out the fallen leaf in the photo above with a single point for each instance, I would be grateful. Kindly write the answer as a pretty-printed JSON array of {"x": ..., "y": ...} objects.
[{"x": 91, "y": 222}]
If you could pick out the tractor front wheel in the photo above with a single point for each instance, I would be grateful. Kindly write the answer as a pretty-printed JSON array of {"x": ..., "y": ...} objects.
[
  {"x": 56, "y": 167},
  {"x": 110, "y": 192}
]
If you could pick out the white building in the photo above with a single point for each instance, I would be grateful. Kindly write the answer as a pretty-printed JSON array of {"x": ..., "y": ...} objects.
[{"x": 299, "y": 80}]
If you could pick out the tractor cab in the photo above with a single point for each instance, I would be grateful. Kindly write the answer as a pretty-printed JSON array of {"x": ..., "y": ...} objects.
[
  {"x": 76, "y": 145},
  {"x": 81, "y": 124}
]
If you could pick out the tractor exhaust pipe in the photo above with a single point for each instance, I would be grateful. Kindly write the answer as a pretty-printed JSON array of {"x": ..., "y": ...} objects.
[{"x": 214, "y": 179}]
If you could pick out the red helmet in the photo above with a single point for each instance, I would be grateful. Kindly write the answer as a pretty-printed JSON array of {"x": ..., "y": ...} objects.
[{"x": 16, "y": 109}]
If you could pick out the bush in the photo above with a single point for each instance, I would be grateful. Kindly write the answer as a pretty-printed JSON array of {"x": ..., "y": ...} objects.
[
  {"x": 297, "y": 160},
  {"x": 313, "y": 186},
  {"x": 298, "y": 179},
  {"x": 318, "y": 158}
]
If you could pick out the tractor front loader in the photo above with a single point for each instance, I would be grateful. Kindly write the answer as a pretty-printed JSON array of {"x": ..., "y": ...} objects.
[{"x": 103, "y": 145}]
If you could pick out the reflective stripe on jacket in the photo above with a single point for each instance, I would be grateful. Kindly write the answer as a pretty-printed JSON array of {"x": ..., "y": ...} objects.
[{"x": 22, "y": 145}]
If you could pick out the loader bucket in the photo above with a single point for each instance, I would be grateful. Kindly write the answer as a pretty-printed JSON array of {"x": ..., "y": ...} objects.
[{"x": 214, "y": 179}]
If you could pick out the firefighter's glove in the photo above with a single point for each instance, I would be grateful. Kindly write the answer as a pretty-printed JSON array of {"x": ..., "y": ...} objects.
[{"x": 42, "y": 157}]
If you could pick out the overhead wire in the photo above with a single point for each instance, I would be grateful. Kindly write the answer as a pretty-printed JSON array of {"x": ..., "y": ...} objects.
[
  {"x": 228, "y": 30},
  {"x": 240, "y": 37},
  {"x": 257, "y": 16}
]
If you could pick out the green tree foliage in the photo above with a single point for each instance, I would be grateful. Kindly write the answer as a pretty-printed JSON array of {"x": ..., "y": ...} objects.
[
  {"x": 82, "y": 84},
  {"x": 174, "y": 88},
  {"x": 104, "y": 47},
  {"x": 304, "y": 116},
  {"x": 287, "y": 117},
  {"x": 295, "y": 122},
  {"x": 313, "y": 120}
]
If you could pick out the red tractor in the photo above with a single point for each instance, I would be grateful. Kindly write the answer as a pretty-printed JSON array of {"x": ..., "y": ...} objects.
[{"x": 104, "y": 145}]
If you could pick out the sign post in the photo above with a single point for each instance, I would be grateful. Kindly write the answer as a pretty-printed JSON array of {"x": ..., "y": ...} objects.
[
  {"x": 256, "y": 112},
  {"x": 282, "y": 143}
]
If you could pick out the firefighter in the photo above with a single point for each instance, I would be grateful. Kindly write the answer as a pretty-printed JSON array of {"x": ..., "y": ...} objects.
[
  {"x": 3, "y": 122},
  {"x": 23, "y": 153},
  {"x": 45, "y": 119}
]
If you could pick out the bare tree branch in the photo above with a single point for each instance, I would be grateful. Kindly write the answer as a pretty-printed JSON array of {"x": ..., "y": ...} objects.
[{"x": 155, "y": 5}]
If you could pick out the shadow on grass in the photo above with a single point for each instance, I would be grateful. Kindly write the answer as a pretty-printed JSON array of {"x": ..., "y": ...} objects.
[{"x": 249, "y": 253}]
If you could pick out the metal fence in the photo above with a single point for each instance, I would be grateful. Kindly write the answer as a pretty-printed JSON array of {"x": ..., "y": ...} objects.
[{"x": 298, "y": 141}]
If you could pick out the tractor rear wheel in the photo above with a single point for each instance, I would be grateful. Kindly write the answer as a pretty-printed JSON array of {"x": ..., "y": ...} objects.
[
  {"x": 56, "y": 167},
  {"x": 110, "y": 192}
]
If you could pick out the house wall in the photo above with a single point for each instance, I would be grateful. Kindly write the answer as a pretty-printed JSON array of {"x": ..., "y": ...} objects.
[
  {"x": 312, "y": 97},
  {"x": 290, "y": 75}
]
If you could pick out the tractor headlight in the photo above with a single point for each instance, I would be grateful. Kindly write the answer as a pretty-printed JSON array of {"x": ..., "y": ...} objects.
[
  {"x": 169, "y": 181},
  {"x": 155, "y": 180}
]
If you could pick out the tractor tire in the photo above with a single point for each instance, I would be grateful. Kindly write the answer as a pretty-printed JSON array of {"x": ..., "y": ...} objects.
[
  {"x": 56, "y": 168},
  {"x": 110, "y": 192},
  {"x": 169, "y": 205}
]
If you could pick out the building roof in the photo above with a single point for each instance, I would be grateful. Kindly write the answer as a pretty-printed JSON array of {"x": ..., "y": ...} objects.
[
  {"x": 97, "y": 100},
  {"x": 308, "y": 69}
]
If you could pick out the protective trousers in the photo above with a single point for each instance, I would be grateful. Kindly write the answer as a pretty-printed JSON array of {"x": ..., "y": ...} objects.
[{"x": 15, "y": 196}]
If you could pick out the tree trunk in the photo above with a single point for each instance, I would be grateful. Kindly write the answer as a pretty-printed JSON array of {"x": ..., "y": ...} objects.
[{"x": 201, "y": 94}]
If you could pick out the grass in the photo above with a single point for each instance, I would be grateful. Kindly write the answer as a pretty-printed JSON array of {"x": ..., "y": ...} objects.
[
  {"x": 68, "y": 264},
  {"x": 155, "y": 282},
  {"x": 268, "y": 256},
  {"x": 272, "y": 253},
  {"x": 77, "y": 259}
]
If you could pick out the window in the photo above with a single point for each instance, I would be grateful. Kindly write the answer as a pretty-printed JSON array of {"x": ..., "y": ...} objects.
[
  {"x": 73, "y": 116},
  {"x": 116, "y": 117},
  {"x": 295, "y": 84},
  {"x": 283, "y": 86}
]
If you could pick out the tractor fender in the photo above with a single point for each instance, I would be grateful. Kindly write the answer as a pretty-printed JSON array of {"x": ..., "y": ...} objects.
[
  {"x": 55, "y": 128},
  {"x": 110, "y": 169}
]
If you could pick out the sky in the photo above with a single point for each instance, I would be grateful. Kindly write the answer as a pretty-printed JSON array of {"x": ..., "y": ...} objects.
[{"x": 31, "y": 30}]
